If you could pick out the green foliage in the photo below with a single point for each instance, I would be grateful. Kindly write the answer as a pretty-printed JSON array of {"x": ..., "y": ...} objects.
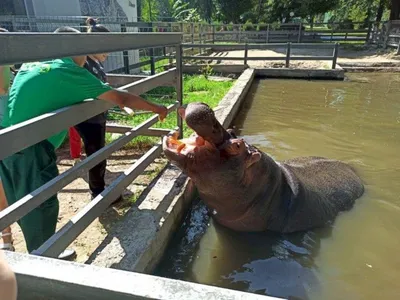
[
  {"x": 262, "y": 27},
  {"x": 248, "y": 26},
  {"x": 207, "y": 71}
]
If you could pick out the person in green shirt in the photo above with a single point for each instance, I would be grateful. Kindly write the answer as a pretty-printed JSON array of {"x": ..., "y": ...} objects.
[{"x": 39, "y": 88}]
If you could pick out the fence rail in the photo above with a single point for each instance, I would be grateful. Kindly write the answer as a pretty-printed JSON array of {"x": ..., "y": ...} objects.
[
  {"x": 200, "y": 33},
  {"x": 25, "y": 134}
]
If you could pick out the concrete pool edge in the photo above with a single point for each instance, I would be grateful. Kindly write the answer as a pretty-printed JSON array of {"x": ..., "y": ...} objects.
[
  {"x": 284, "y": 73},
  {"x": 138, "y": 242},
  {"x": 47, "y": 278}
]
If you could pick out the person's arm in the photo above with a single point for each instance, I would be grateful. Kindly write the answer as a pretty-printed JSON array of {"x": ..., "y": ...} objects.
[
  {"x": 8, "y": 282},
  {"x": 4, "y": 79},
  {"x": 125, "y": 99}
]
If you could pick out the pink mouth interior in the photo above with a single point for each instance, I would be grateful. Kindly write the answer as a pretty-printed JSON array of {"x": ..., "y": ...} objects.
[{"x": 185, "y": 146}]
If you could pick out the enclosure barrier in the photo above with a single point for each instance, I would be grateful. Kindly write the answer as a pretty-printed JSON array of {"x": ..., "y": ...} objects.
[
  {"x": 246, "y": 47},
  {"x": 13, "y": 47},
  {"x": 202, "y": 33}
]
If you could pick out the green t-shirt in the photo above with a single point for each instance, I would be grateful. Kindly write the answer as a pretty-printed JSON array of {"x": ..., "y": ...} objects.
[{"x": 42, "y": 87}]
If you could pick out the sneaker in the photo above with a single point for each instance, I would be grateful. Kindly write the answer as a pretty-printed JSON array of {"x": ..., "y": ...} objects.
[{"x": 67, "y": 254}]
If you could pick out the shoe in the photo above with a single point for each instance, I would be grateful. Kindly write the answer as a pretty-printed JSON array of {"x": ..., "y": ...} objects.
[{"x": 67, "y": 254}]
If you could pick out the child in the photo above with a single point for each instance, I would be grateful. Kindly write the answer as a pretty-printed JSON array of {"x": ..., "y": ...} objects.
[{"x": 44, "y": 87}]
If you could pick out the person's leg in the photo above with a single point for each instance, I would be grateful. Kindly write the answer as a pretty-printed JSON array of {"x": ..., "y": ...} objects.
[
  {"x": 26, "y": 171},
  {"x": 93, "y": 136},
  {"x": 6, "y": 234}
]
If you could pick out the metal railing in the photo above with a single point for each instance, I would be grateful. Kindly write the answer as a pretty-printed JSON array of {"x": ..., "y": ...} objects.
[
  {"x": 286, "y": 47},
  {"x": 15, "y": 138},
  {"x": 200, "y": 33}
]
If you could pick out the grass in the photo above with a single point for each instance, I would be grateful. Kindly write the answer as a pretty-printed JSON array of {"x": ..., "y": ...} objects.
[
  {"x": 158, "y": 64},
  {"x": 195, "y": 88}
]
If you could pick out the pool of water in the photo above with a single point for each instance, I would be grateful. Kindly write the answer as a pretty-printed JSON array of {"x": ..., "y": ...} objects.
[{"x": 357, "y": 121}]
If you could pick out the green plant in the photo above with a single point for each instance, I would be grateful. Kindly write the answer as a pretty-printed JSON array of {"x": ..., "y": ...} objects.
[{"x": 207, "y": 71}]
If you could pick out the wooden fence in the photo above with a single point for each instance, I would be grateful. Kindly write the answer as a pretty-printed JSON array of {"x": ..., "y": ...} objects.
[
  {"x": 17, "y": 137},
  {"x": 288, "y": 47}
]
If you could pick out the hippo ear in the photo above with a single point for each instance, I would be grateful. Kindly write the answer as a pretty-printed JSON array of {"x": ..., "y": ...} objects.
[
  {"x": 181, "y": 111},
  {"x": 255, "y": 157}
]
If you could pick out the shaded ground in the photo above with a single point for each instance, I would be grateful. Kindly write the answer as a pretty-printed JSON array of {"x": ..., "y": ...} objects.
[
  {"x": 76, "y": 195},
  {"x": 347, "y": 54}
]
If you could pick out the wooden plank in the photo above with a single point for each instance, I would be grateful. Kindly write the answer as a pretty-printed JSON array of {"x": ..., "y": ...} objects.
[{"x": 55, "y": 45}]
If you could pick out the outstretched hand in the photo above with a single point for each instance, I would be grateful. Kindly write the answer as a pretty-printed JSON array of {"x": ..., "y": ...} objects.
[{"x": 162, "y": 112}]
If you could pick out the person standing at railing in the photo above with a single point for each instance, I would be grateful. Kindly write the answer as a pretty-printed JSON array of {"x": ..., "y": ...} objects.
[
  {"x": 93, "y": 130},
  {"x": 5, "y": 80},
  {"x": 40, "y": 88}
]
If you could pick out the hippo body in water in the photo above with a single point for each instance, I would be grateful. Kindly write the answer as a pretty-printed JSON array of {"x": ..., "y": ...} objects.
[{"x": 248, "y": 191}]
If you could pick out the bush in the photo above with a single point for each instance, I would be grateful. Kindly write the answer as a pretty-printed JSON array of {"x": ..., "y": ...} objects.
[
  {"x": 248, "y": 26},
  {"x": 262, "y": 27}
]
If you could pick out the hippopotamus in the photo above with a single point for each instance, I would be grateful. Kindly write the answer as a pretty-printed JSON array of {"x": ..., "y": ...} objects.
[{"x": 247, "y": 190}]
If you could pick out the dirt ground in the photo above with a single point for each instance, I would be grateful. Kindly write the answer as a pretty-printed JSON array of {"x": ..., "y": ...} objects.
[
  {"x": 76, "y": 195},
  {"x": 347, "y": 55}
]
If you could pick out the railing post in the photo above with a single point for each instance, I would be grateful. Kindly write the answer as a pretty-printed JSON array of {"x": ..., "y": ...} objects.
[
  {"x": 267, "y": 38},
  {"x": 387, "y": 33},
  {"x": 151, "y": 52},
  {"x": 369, "y": 32},
  {"x": 213, "y": 33},
  {"x": 299, "y": 37},
  {"x": 246, "y": 53},
  {"x": 125, "y": 54},
  {"x": 335, "y": 55},
  {"x": 179, "y": 85},
  {"x": 201, "y": 37},
  {"x": 288, "y": 55}
]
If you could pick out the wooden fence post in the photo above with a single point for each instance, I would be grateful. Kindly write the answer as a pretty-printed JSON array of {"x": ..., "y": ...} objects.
[
  {"x": 300, "y": 32},
  {"x": 246, "y": 53},
  {"x": 335, "y": 55},
  {"x": 125, "y": 54},
  {"x": 368, "y": 32},
  {"x": 288, "y": 55},
  {"x": 152, "y": 60},
  {"x": 213, "y": 33},
  {"x": 387, "y": 33}
]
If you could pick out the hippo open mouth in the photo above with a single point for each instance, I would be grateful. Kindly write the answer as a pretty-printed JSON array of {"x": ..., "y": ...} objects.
[{"x": 177, "y": 150}]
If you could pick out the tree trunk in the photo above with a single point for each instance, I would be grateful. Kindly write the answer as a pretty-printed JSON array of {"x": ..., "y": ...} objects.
[
  {"x": 312, "y": 22},
  {"x": 395, "y": 10},
  {"x": 259, "y": 11},
  {"x": 379, "y": 13}
]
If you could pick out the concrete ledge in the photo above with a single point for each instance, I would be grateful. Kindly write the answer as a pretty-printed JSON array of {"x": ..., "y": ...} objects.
[
  {"x": 227, "y": 108},
  {"x": 50, "y": 279},
  {"x": 222, "y": 69},
  {"x": 336, "y": 74},
  {"x": 138, "y": 242}
]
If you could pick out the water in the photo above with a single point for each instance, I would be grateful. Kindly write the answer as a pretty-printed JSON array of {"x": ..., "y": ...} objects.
[{"x": 357, "y": 121}]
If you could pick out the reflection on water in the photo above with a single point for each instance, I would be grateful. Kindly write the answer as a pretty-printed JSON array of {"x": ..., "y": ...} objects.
[{"x": 357, "y": 121}]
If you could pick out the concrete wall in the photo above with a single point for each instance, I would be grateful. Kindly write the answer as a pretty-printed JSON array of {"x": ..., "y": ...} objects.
[{"x": 56, "y": 7}]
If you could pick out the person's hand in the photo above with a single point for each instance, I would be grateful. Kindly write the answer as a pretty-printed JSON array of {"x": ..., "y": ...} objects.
[{"x": 162, "y": 112}]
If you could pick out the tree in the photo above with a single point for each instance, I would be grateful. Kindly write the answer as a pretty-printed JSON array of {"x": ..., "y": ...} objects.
[
  {"x": 395, "y": 10},
  {"x": 312, "y": 8},
  {"x": 232, "y": 10}
]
